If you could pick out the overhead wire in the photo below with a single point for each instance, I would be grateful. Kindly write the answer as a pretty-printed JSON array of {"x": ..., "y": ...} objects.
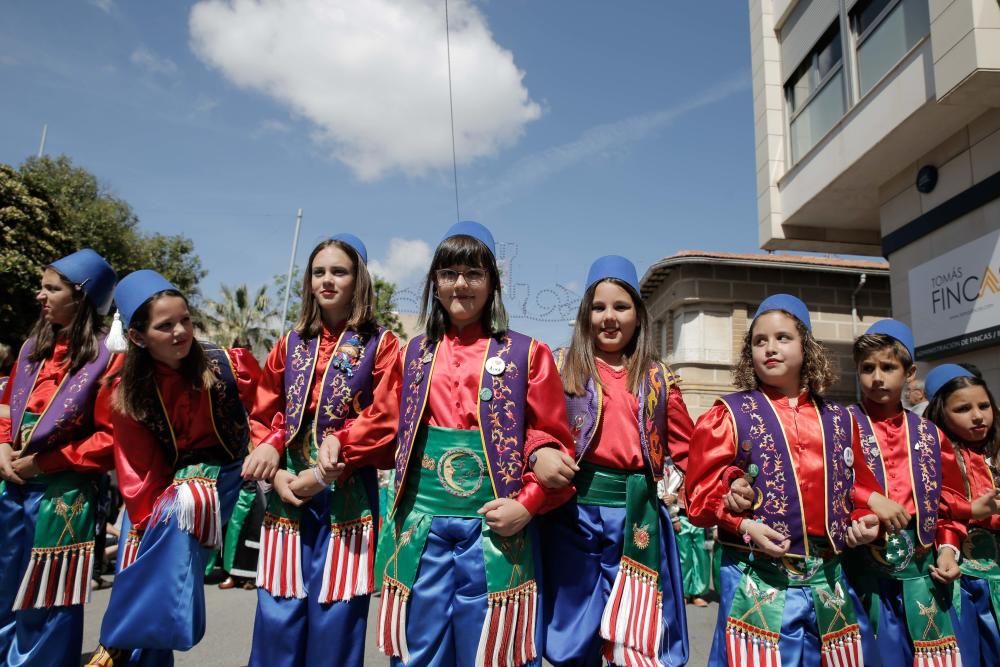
[{"x": 451, "y": 108}]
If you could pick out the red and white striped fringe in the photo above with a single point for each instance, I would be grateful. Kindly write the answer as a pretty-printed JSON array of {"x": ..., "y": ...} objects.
[
  {"x": 197, "y": 509},
  {"x": 508, "y": 635},
  {"x": 842, "y": 649},
  {"x": 391, "y": 630},
  {"x": 749, "y": 646},
  {"x": 279, "y": 567},
  {"x": 941, "y": 653},
  {"x": 131, "y": 548},
  {"x": 56, "y": 577},
  {"x": 632, "y": 619},
  {"x": 350, "y": 561}
]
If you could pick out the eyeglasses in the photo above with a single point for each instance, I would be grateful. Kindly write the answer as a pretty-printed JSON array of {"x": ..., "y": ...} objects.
[{"x": 473, "y": 277}]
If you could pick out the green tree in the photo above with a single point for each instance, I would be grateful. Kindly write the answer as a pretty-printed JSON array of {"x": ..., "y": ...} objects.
[
  {"x": 240, "y": 319},
  {"x": 385, "y": 307}
]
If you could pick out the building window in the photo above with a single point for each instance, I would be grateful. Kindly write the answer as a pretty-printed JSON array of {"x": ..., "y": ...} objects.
[
  {"x": 884, "y": 31},
  {"x": 703, "y": 336},
  {"x": 814, "y": 94}
]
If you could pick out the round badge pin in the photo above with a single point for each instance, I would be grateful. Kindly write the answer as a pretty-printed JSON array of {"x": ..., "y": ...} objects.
[
  {"x": 849, "y": 456},
  {"x": 753, "y": 470},
  {"x": 485, "y": 394},
  {"x": 495, "y": 366},
  {"x": 746, "y": 446}
]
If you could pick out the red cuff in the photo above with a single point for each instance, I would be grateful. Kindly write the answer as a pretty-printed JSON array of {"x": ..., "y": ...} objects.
[
  {"x": 960, "y": 509},
  {"x": 732, "y": 474},
  {"x": 534, "y": 440},
  {"x": 862, "y": 512},
  {"x": 51, "y": 461},
  {"x": 949, "y": 535},
  {"x": 537, "y": 499},
  {"x": 730, "y": 523},
  {"x": 276, "y": 439}
]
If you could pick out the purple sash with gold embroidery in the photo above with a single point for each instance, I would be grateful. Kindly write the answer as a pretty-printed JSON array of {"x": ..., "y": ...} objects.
[
  {"x": 68, "y": 415},
  {"x": 585, "y": 414},
  {"x": 502, "y": 400},
  {"x": 761, "y": 442},
  {"x": 923, "y": 449}
]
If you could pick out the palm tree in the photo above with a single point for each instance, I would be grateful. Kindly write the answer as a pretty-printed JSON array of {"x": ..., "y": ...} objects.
[{"x": 241, "y": 321}]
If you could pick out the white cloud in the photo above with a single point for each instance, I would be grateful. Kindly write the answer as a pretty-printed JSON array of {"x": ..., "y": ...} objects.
[
  {"x": 104, "y": 5},
  {"x": 406, "y": 261},
  {"x": 153, "y": 64},
  {"x": 373, "y": 76}
]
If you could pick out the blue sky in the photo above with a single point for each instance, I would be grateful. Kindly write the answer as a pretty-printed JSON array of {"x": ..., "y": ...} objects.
[{"x": 585, "y": 128}]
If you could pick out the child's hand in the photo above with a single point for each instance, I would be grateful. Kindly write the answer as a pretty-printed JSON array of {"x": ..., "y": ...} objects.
[
  {"x": 947, "y": 567},
  {"x": 282, "y": 484},
  {"x": 505, "y": 516},
  {"x": 553, "y": 467},
  {"x": 739, "y": 498},
  {"x": 262, "y": 463},
  {"x": 862, "y": 531},
  {"x": 328, "y": 460},
  {"x": 305, "y": 485},
  {"x": 767, "y": 539},
  {"x": 25, "y": 467},
  {"x": 986, "y": 504},
  {"x": 677, "y": 525},
  {"x": 890, "y": 513}
]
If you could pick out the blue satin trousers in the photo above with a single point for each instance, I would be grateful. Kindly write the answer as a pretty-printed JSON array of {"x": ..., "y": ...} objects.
[
  {"x": 799, "y": 642},
  {"x": 978, "y": 636},
  {"x": 293, "y": 632},
  {"x": 581, "y": 551},
  {"x": 157, "y": 603},
  {"x": 34, "y": 637}
]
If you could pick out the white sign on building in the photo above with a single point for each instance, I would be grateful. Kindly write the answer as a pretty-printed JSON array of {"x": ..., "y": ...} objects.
[{"x": 955, "y": 299}]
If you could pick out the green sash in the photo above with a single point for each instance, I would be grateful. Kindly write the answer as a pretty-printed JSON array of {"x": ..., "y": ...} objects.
[
  {"x": 62, "y": 551},
  {"x": 926, "y": 602},
  {"x": 753, "y": 626},
  {"x": 981, "y": 559},
  {"x": 350, "y": 551},
  {"x": 696, "y": 559},
  {"x": 449, "y": 478}
]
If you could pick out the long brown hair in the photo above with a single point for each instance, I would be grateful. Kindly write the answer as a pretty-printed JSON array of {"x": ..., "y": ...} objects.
[
  {"x": 136, "y": 396},
  {"x": 639, "y": 354},
  {"x": 362, "y": 315},
  {"x": 82, "y": 332},
  {"x": 816, "y": 374},
  {"x": 466, "y": 251},
  {"x": 936, "y": 412}
]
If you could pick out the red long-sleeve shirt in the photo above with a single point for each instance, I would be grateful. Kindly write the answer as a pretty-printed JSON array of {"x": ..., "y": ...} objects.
[
  {"x": 616, "y": 442},
  {"x": 90, "y": 453},
  {"x": 893, "y": 445},
  {"x": 713, "y": 451},
  {"x": 452, "y": 402},
  {"x": 364, "y": 440},
  {"x": 977, "y": 480},
  {"x": 144, "y": 472}
]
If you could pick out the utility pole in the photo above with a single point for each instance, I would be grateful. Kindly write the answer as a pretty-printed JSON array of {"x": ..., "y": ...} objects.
[
  {"x": 41, "y": 146},
  {"x": 291, "y": 265}
]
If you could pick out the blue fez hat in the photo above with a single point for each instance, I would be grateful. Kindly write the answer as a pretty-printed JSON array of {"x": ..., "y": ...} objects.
[
  {"x": 788, "y": 303},
  {"x": 92, "y": 273},
  {"x": 941, "y": 376},
  {"x": 895, "y": 329},
  {"x": 136, "y": 288},
  {"x": 476, "y": 231},
  {"x": 613, "y": 266},
  {"x": 354, "y": 242}
]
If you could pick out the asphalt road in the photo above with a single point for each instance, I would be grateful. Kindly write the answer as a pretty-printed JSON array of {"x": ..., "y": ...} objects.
[{"x": 230, "y": 625}]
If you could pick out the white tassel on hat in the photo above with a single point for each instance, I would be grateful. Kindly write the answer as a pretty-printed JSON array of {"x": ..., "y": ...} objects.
[{"x": 116, "y": 342}]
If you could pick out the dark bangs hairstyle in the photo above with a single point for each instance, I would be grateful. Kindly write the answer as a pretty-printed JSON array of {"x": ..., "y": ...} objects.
[
  {"x": 136, "y": 395},
  {"x": 868, "y": 344},
  {"x": 936, "y": 411},
  {"x": 640, "y": 353},
  {"x": 817, "y": 374},
  {"x": 362, "y": 315},
  {"x": 467, "y": 251},
  {"x": 82, "y": 331}
]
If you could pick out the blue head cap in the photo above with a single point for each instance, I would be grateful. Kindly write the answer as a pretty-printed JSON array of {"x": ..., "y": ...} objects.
[
  {"x": 92, "y": 273},
  {"x": 942, "y": 375},
  {"x": 476, "y": 231},
  {"x": 136, "y": 288},
  {"x": 895, "y": 329},
  {"x": 789, "y": 304},
  {"x": 354, "y": 242},
  {"x": 613, "y": 266}
]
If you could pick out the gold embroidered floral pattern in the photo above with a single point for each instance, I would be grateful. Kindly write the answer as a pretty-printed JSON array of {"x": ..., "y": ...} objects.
[{"x": 502, "y": 420}]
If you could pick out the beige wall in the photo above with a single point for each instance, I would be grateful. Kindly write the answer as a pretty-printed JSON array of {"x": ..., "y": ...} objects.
[{"x": 740, "y": 289}]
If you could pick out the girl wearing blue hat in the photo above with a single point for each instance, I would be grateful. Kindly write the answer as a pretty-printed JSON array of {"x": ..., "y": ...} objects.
[
  {"x": 181, "y": 431},
  {"x": 482, "y": 444},
  {"x": 54, "y": 443},
  {"x": 324, "y": 420},
  {"x": 783, "y": 596},
  {"x": 900, "y": 476},
  {"x": 613, "y": 584},
  {"x": 963, "y": 406}
]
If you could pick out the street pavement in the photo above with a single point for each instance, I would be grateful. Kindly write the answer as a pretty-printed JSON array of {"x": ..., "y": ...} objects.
[{"x": 230, "y": 617}]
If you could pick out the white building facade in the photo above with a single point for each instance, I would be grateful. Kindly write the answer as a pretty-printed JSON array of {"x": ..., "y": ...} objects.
[{"x": 877, "y": 125}]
